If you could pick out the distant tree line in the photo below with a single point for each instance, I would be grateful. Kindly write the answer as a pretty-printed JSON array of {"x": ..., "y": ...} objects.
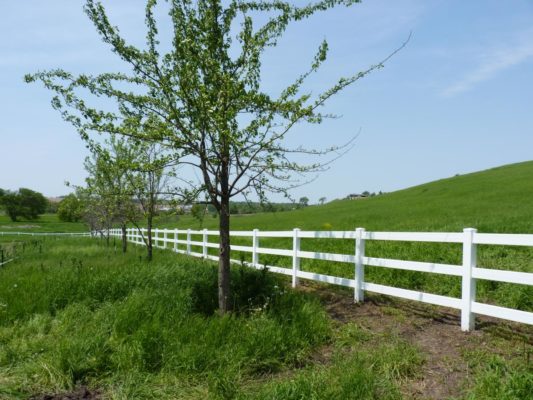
[
  {"x": 23, "y": 203},
  {"x": 244, "y": 207}
]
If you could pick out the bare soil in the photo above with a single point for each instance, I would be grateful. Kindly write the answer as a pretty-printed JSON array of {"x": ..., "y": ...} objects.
[
  {"x": 435, "y": 331},
  {"x": 79, "y": 393},
  {"x": 19, "y": 226}
]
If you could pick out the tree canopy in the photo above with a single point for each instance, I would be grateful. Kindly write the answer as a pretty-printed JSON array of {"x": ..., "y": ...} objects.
[
  {"x": 70, "y": 209},
  {"x": 200, "y": 98},
  {"x": 24, "y": 203}
]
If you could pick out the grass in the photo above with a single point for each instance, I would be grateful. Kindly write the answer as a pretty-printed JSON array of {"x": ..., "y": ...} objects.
[
  {"x": 45, "y": 223},
  {"x": 74, "y": 312},
  {"x": 496, "y": 200}
]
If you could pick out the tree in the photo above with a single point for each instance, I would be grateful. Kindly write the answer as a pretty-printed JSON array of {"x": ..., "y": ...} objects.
[
  {"x": 148, "y": 176},
  {"x": 201, "y": 98},
  {"x": 121, "y": 171},
  {"x": 70, "y": 209},
  {"x": 24, "y": 203},
  {"x": 198, "y": 212},
  {"x": 2, "y": 194},
  {"x": 303, "y": 202},
  {"x": 322, "y": 200}
]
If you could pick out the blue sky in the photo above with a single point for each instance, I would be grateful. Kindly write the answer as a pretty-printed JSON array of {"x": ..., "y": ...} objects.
[{"x": 457, "y": 99}]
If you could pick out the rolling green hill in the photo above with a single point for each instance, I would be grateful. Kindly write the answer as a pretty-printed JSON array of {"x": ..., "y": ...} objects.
[
  {"x": 496, "y": 200},
  {"x": 75, "y": 312}
]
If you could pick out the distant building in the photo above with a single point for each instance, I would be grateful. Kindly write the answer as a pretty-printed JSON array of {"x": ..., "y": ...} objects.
[
  {"x": 55, "y": 200},
  {"x": 355, "y": 196},
  {"x": 185, "y": 208}
]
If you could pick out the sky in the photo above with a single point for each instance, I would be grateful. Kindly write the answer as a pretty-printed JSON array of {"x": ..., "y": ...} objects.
[{"x": 457, "y": 99}]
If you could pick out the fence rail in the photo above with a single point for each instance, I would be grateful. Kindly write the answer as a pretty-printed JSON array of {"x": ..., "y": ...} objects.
[
  {"x": 2, "y": 263},
  {"x": 468, "y": 271}
]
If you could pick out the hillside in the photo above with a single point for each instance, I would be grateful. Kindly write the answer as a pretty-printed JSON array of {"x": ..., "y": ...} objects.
[{"x": 496, "y": 200}]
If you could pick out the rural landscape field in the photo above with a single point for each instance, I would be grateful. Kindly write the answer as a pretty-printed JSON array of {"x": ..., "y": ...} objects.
[
  {"x": 266, "y": 199},
  {"x": 114, "y": 325}
]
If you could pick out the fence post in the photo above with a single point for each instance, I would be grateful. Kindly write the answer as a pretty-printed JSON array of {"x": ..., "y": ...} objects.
[
  {"x": 204, "y": 243},
  {"x": 468, "y": 291},
  {"x": 359, "y": 294},
  {"x": 189, "y": 241},
  {"x": 255, "y": 245},
  {"x": 165, "y": 238},
  {"x": 176, "y": 240},
  {"x": 295, "y": 258}
]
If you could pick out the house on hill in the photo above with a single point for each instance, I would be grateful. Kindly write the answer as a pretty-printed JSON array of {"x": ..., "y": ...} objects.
[{"x": 355, "y": 196}]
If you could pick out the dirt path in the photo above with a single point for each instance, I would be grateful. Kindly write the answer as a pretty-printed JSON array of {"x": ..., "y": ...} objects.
[
  {"x": 81, "y": 393},
  {"x": 435, "y": 331}
]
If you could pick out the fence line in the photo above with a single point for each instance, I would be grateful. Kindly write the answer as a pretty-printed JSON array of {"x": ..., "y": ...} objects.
[
  {"x": 468, "y": 271},
  {"x": 5, "y": 262}
]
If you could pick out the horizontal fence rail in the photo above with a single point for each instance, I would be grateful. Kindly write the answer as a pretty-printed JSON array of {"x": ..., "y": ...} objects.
[
  {"x": 5, "y": 262},
  {"x": 180, "y": 241}
]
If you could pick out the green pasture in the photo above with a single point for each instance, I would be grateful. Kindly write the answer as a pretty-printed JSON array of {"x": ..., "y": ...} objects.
[
  {"x": 498, "y": 200},
  {"x": 45, "y": 223}
]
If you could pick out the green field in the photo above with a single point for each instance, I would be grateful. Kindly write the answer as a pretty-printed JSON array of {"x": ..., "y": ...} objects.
[
  {"x": 496, "y": 200},
  {"x": 75, "y": 313},
  {"x": 45, "y": 223}
]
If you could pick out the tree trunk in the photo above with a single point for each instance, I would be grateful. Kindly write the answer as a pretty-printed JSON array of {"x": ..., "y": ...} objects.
[
  {"x": 224, "y": 257},
  {"x": 224, "y": 304},
  {"x": 149, "y": 247},
  {"x": 124, "y": 239}
]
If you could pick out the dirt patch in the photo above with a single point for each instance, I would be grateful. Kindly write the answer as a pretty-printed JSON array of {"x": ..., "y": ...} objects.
[
  {"x": 435, "y": 331},
  {"x": 77, "y": 394},
  {"x": 19, "y": 226}
]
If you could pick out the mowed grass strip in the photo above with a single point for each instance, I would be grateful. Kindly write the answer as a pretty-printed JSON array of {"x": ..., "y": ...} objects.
[{"x": 44, "y": 223}]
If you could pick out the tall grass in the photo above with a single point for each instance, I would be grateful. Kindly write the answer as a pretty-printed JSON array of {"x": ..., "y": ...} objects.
[{"x": 73, "y": 312}]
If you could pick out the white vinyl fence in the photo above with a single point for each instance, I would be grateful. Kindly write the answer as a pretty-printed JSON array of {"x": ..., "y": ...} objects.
[{"x": 468, "y": 271}]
